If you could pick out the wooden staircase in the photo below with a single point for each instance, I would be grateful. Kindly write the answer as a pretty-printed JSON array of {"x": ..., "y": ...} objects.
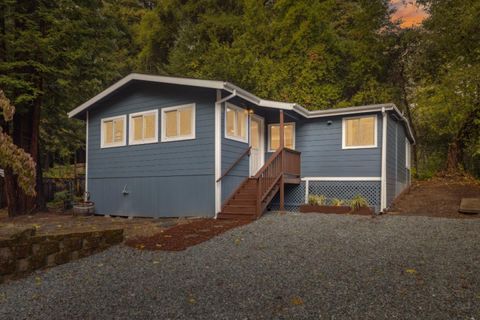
[{"x": 255, "y": 193}]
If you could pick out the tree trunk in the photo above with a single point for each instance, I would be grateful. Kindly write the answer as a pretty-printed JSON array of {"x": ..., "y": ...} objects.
[{"x": 454, "y": 156}]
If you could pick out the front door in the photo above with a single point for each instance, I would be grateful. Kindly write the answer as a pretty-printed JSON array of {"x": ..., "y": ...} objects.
[{"x": 257, "y": 142}]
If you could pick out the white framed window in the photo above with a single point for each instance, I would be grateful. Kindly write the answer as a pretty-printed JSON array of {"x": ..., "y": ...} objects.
[
  {"x": 359, "y": 132},
  {"x": 236, "y": 123},
  {"x": 178, "y": 123},
  {"x": 113, "y": 132},
  {"x": 408, "y": 154},
  {"x": 274, "y": 136},
  {"x": 143, "y": 127}
]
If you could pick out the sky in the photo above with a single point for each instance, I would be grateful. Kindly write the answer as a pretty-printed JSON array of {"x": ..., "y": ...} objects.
[{"x": 410, "y": 14}]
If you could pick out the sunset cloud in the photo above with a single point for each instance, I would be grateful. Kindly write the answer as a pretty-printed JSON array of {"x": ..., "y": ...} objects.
[{"x": 409, "y": 13}]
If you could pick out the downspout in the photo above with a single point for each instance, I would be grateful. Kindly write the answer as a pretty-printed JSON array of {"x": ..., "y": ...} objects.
[
  {"x": 218, "y": 148},
  {"x": 383, "y": 196}
]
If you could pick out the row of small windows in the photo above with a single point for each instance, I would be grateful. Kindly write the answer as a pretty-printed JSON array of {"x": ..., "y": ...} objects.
[{"x": 178, "y": 123}]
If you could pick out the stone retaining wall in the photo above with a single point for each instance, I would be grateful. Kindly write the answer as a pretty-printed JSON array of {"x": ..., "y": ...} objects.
[{"x": 24, "y": 251}]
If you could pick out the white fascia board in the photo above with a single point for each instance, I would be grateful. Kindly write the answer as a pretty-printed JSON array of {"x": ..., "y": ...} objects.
[
  {"x": 151, "y": 78},
  {"x": 341, "y": 179}
]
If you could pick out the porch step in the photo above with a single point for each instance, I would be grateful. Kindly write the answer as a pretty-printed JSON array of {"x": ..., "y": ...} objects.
[{"x": 239, "y": 209}]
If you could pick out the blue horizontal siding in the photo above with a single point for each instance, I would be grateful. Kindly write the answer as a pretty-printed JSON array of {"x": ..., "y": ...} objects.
[
  {"x": 170, "y": 178},
  {"x": 322, "y": 153}
]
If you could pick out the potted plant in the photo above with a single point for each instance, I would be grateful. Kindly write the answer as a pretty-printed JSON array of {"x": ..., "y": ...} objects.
[{"x": 85, "y": 207}]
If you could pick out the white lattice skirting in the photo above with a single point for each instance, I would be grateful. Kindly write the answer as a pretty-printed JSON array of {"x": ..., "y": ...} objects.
[{"x": 345, "y": 190}]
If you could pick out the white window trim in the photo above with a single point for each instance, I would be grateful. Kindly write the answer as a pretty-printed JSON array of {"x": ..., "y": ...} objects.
[
  {"x": 114, "y": 144},
  {"x": 278, "y": 124},
  {"x": 131, "y": 140},
  {"x": 235, "y": 138},
  {"x": 408, "y": 154},
  {"x": 344, "y": 130},
  {"x": 164, "y": 127}
]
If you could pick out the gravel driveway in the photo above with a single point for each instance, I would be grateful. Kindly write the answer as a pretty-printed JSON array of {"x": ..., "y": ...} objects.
[{"x": 287, "y": 266}]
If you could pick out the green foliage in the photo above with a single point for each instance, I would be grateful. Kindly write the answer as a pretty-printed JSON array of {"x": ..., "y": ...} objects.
[
  {"x": 358, "y": 202},
  {"x": 60, "y": 172},
  {"x": 317, "y": 200},
  {"x": 336, "y": 202},
  {"x": 13, "y": 157}
]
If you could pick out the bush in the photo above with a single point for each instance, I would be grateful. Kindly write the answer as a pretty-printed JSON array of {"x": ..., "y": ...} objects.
[
  {"x": 337, "y": 202},
  {"x": 358, "y": 202},
  {"x": 317, "y": 200}
]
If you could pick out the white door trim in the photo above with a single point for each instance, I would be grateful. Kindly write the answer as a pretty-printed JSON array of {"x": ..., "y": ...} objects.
[{"x": 262, "y": 141}]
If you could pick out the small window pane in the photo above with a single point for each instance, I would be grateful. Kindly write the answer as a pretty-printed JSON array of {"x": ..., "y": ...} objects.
[
  {"x": 241, "y": 124},
  {"x": 171, "y": 123},
  {"x": 274, "y": 137},
  {"x": 288, "y": 134},
  {"x": 150, "y": 126},
  {"x": 367, "y": 131},
  {"x": 185, "y": 121},
  {"x": 118, "y": 130},
  {"x": 108, "y": 132},
  {"x": 255, "y": 135},
  {"x": 230, "y": 122},
  {"x": 138, "y": 128}
]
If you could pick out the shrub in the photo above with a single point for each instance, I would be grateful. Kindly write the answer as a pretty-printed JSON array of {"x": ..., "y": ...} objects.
[
  {"x": 358, "y": 202},
  {"x": 337, "y": 202},
  {"x": 318, "y": 200}
]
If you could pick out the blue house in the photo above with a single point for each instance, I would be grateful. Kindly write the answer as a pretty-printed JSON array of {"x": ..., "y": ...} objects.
[{"x": 169, "y": 147}]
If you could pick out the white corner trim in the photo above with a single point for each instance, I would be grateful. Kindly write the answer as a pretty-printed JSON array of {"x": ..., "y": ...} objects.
[
  {"x": 341, "y": 179},
  {"x": 344, "y": 130},
  {"x": 131, "y": 140},
  {"x": 237, "y": 109},
  {"x": 270, "y": 125},
  {"x": 114, "y": 144},
  {"x": 86, "y": 151},
  {"x": 164, "y": 127},
  {"x": 307, "y": 190},
  {"x": 383, "y": 193}
]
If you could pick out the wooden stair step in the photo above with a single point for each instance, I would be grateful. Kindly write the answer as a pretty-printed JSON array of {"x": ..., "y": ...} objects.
[{"x": 230, "y": 216}]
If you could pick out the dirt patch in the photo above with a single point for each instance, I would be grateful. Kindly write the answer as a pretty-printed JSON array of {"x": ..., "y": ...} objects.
[
  {"x": 54, "y": 223},
  {"x": 182, "y": 236},
  {"x": 439, "y": 197}
]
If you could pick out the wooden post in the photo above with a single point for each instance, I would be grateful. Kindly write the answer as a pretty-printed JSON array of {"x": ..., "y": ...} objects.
[{"x": 282, "y": 144}]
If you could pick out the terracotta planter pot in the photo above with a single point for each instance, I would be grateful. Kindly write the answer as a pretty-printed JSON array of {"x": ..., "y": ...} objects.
[{"x": 307, "y": 208}]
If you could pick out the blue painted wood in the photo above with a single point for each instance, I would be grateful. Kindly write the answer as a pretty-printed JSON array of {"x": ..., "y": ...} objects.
[
  {"x": 397, "y": 173},
  {"x": 165, "y": 178},
  {"x": 231, "y": 151},
  {"x": 322, "y": 153}
]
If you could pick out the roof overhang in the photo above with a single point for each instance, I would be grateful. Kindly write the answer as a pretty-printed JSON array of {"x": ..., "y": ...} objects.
[{"x": 229, "y": 87}]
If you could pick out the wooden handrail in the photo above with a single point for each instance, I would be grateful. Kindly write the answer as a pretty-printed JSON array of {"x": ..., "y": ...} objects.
[{"x": 235, "y": 163}]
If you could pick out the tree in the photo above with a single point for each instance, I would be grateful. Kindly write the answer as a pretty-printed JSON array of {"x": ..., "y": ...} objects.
[{"x": 16, "y": 162}]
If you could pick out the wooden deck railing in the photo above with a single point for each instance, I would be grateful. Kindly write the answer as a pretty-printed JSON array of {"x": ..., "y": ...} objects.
[{"x": 283, "y": 162}]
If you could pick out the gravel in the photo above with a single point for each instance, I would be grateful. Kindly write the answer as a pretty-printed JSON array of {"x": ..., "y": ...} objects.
[{"x": 281, "y": 266}]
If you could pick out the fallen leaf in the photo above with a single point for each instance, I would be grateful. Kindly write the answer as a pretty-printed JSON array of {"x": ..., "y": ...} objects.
[
  {"x": 100, "y": 265},
  {"x": 38, "y": 281},
  {"x": 158, "y": 245},
  {"x": 411, "y": 271},
  {"x": 156, "y": 262},
  {"x": 141, "y": 246},
  {"x": 192, "y": 301},
  {"x": 238, "y": 241},
  {"x": 297, "y": 301}
]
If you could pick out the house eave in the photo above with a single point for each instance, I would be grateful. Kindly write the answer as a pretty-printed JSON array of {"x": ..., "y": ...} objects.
[{"x": 244, "y": 94}]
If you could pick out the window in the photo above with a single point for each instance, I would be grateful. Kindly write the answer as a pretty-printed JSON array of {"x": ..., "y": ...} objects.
[
  {"x": 408, "y": 154},
  {"x": 143, "y": 127},
  {"x": 178, "y": 123},
  {"x": 236, "y": 121},
  {"x": 359, "y": 132},
  {"x": 274, "y": 136},
  {"x": 113, "y": 132}
]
